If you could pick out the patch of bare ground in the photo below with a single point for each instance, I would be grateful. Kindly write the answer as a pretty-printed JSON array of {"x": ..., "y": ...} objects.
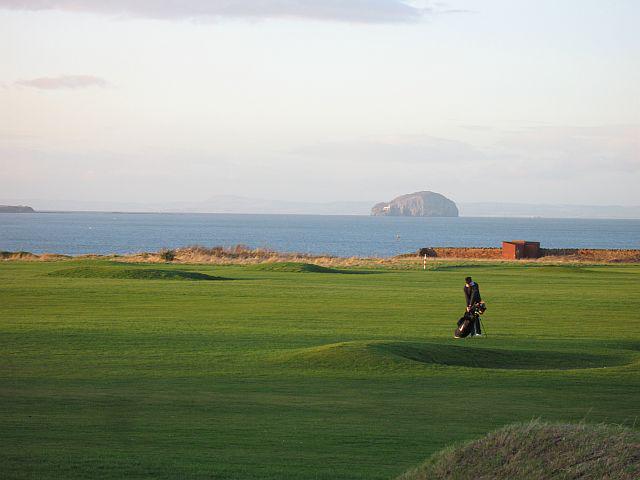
[
  {"x": 484, "y": 253},
  {"x": 592, "y": 255},
  {"x": 547, "y": 254}
]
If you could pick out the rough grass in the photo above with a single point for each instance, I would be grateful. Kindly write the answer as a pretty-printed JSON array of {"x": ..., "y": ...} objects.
[
  {"x": 243, "y": 255},
  {"x": 131, "y": 273},
  {"x": 28, "y": 256},
  {"x": 540, "y": 451}
]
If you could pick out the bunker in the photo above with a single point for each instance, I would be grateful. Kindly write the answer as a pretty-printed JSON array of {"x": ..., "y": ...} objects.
[{"x": 517, "y": 249}]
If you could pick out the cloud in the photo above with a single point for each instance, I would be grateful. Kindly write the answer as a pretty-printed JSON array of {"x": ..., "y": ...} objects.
[
  {"x": 397, "y": 150},
  {"x": 529, "y": 157},
  {"x": 553, "y": 151},
  {"x": 358, "y": 11},
  {"x": 573, "y": 151},
  {"x": 63, "y": 82}
]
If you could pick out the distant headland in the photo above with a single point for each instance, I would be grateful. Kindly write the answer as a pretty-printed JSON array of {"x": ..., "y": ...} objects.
[
  {"x": 419, "y": 204},
  {"x": 16, "y": 209}
]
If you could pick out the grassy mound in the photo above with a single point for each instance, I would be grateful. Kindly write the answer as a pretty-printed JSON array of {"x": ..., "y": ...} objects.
[
  {"x": 477, "y": 357},
  {"x": 539, "y": 451},
  {"x": 381, "y": 355},
  {"x": 131, "y": 273},
  {"x": 352, "y": 356},
  {"x": 299, "y": 267}
]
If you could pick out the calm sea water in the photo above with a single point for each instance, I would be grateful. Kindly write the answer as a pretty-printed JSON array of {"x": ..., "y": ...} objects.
[{"x": 78, "y": 233}]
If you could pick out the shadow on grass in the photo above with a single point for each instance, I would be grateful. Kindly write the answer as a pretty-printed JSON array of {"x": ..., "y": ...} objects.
[
  {"x": 374, "y": 355},
  {"x": 478, "y": 357}
]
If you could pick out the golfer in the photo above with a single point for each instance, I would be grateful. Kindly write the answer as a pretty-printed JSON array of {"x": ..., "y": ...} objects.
[{"x": 472, "y": 294}]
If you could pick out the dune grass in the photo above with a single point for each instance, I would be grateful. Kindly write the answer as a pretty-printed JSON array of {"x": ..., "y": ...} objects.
[
  {"x": 539, "y": 451},
  {"x": 284, "y": 374}
]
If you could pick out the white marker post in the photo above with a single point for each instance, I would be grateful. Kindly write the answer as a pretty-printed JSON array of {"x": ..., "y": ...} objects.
[{"x": 424, "y": 263}]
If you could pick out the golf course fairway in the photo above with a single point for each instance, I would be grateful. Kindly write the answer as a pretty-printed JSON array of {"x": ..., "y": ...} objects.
[{"x": 160, "y": 371}]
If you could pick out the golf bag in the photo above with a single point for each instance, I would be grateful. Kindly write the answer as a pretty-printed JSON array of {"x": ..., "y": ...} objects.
[{"x": 470, "y": 321}]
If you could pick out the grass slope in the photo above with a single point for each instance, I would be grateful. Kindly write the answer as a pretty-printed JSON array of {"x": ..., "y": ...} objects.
[
  {"x": 539, "y": 451},
  {"x": 291, "y": 375},
  {"x": 404, "y": 355},
  {"x": 131, "y": 273},
  {"x": 299, "y": 267}
]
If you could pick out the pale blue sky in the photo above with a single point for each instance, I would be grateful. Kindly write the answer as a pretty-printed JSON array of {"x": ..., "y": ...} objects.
[{"x": 511, "y": 100}]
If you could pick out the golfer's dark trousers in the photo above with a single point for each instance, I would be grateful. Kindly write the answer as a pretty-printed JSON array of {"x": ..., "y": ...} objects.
[{"x": 475, "y": 328}]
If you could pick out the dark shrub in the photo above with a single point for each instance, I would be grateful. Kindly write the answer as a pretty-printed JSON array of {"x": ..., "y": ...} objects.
[{"x": 167, "y": 255}]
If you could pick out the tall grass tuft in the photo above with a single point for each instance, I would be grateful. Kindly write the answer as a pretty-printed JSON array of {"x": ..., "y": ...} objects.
[{"x": 539, "y": 451}]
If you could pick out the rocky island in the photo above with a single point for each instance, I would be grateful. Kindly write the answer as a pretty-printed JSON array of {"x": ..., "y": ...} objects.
[
  {"x": 16, "y": 209},
  {"x": 419, "y": 204}
]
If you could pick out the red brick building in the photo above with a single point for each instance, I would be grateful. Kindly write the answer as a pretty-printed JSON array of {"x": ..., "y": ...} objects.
[{"x": 517, "y": 249}]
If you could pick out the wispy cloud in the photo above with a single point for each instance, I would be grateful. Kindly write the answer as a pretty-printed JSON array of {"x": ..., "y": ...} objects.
[
  {"x": 398, "y": 150},
  {"x": 63, "y": 82},
  {"x": 573, "y": 151},
  {"x": 358, "y": 11},
  {"x": 554, "y": 164},
  {"x": 558, "y": 152}
]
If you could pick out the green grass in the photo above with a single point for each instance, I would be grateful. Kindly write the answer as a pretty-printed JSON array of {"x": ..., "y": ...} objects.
[
  {"x": 381, "y": 355},
  {"x": 285, "y": 374},
  {"x": 139, "y": 273},
  {"x": 298, "y": 267}
]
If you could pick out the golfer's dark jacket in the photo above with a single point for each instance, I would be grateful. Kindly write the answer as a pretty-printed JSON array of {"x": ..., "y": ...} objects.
[{"x": 472, "y": 293}]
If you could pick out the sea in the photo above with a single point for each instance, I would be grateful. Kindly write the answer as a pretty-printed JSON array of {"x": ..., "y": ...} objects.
[{"x": 346, "y": 236}]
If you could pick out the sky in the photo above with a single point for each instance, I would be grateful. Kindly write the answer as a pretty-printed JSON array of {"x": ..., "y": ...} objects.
[{"x": 528, "y": 101}]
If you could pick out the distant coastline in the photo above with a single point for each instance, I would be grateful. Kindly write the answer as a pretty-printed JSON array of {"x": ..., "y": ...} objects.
[
  {"x": 16, "y": 209},
  {"x": 227, "y": 204},
  {"x": 500, "y": 215}
]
